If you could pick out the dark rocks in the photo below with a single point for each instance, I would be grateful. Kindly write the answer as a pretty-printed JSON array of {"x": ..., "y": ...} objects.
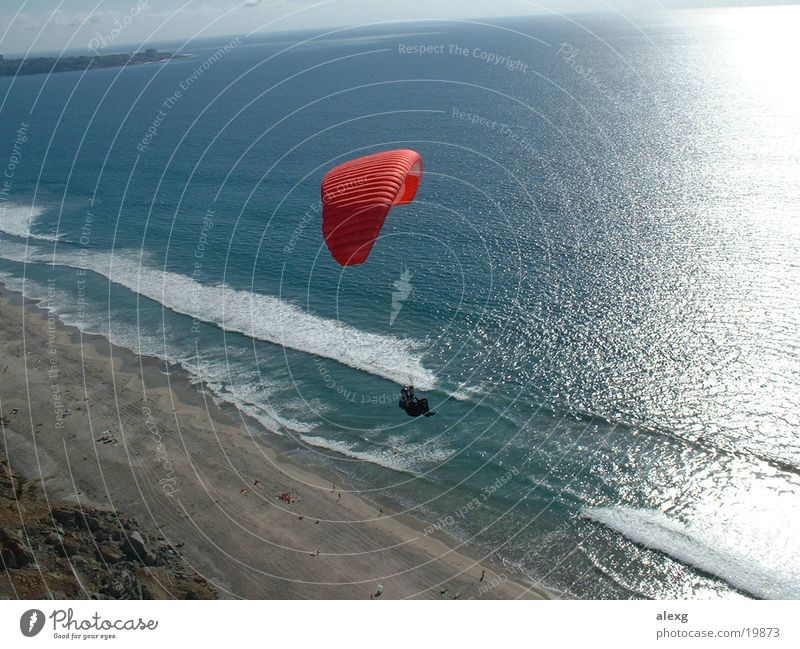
[
  {"x": 65, "y": 517},
  {"x": 136, "y": 549},
  {"x": 14, "y": 552},
  {"x": 82, "y": 552},
  {"x": 54, "y": 538},
  {"x": 122, "y": 584},
  {"x": 92, "y": 523},
  {"x": 138, "y": 542},
  {"x": 109, "y": 553},
  {"x": 68, "y": 548}
]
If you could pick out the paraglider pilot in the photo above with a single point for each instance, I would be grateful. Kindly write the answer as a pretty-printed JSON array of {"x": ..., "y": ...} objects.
[{"x": 413, "y": 406}]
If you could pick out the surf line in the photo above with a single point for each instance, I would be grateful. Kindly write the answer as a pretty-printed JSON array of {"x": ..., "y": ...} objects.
[
  {"x": 20, "y": 138},
  {"x": 199, "y": 252}
]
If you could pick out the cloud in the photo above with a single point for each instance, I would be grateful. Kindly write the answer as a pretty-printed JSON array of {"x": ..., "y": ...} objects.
[{"x": 251, "y": 3}]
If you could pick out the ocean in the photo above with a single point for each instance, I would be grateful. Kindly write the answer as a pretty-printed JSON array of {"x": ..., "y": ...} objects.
[{"x": 597, "y": 286}]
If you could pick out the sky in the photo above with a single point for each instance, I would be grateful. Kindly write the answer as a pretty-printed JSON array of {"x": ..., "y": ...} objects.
[{"x": 54, "y": 25}]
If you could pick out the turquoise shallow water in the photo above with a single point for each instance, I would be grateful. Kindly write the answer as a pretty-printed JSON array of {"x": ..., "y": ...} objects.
[{"x": 602, "y": 259}]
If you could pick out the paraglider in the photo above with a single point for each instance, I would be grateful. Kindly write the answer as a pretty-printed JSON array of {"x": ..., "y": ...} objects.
[
  {"x": 413, "y": 406},
  {"x": 357, "y": 197}
]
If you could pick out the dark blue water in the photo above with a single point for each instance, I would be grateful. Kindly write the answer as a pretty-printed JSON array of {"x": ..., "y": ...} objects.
[{"x": 602, "y": 259}]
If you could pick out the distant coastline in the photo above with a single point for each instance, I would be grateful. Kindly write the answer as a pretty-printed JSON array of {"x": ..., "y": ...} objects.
[{"x": 48, "y": 64}]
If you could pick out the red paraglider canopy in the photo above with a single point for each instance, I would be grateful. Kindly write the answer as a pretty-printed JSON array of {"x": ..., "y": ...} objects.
[{"x": 357, "y": 197}]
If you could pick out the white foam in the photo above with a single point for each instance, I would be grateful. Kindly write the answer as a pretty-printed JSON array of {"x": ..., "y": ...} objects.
[
  {"x": 18, "y": 219},
  {"x": 251, "y": 398},
  {"x": 405, "y": 458},
  {"x": 466, "y": 392},
  {"x": 253, "y": 314},
  {"x": 250, "y": 395},
  {"x": 717, "y": 551}
]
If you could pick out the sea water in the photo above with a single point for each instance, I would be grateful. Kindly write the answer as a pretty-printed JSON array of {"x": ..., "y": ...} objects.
[{"x": 597, "y": 286}]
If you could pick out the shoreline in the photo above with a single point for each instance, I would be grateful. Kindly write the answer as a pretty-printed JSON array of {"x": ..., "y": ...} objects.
[
  {"x": 197, "y": 474},
  {"x": 32, "y": 65}
]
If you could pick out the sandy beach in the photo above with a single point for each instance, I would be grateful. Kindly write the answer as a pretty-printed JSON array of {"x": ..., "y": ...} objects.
[{"x": 95, "y": 424}]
